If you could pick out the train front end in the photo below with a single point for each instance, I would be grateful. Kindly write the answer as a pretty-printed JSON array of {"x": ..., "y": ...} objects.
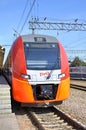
[{"x": 45, "y": 75}]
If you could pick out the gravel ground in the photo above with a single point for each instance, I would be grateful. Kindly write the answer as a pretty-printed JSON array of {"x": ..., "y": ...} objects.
[
  {"x": 75, "y": 105},
  {"x": 79, "y": 82},
  {"x": 24, "y": 122}
]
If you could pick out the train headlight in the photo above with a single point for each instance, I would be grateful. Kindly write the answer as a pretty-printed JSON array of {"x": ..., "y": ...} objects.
[
  {"x": 25, "y": 76},
  {"x": 61, "y": 75}
]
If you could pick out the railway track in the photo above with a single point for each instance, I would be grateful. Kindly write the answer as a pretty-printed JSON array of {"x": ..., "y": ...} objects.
[
  {"x": 83, "y": 88},
  {"x": 53, "y": 118}
]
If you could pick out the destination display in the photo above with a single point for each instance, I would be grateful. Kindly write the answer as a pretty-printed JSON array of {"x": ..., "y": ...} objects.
[{"x": 43, "y": 45}]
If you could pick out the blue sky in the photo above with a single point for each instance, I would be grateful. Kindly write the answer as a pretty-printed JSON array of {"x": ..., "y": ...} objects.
[{"x": 58, "y": 10}]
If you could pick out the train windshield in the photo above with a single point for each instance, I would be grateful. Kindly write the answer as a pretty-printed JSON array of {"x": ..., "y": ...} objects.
[{"x": 42, "y": 55}]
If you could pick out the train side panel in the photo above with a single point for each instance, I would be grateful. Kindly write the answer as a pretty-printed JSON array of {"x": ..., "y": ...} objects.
[
  {"x": 64, "y": 86},
  {"x": 21, "y": 89}
]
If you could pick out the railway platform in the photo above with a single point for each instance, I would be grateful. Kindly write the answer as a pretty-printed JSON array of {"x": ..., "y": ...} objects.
[
  {"x": 8, "y": 122},
  {"x": 5, "y": 97},
  {"x": 8, "y": 119}
]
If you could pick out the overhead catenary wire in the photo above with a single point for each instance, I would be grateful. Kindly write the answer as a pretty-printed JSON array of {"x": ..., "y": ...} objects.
[
  {"x": 27, "y": 16},
  {"x": 26, "y": 4}
]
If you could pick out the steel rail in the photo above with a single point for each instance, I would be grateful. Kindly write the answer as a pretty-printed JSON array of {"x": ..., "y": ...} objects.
[
  {"x": 79, "y": 87},
  {"x": 53, "y": 118}
]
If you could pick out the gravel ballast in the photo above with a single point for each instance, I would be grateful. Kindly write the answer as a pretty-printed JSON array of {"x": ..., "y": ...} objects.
[{"x": 75, "y": 105}]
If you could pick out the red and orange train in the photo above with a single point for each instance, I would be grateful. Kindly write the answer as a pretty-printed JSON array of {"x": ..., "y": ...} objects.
[{"x": 37, "y": 68}]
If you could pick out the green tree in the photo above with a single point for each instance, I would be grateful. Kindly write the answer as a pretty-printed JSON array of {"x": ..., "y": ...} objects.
[{"x": 77, "y": 62}]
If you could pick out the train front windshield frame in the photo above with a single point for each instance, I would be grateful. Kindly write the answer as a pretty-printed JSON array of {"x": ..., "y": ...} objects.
[{"x": 42, "y": 56}]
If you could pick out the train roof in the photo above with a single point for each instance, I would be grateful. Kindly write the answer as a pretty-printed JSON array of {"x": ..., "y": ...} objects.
[{"x": 38, "y": 38}]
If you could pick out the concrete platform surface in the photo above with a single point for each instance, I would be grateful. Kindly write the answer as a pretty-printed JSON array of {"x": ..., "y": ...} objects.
[
  {"x": 5, "y": 96},
  {"x": 8, "y": 122}
]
